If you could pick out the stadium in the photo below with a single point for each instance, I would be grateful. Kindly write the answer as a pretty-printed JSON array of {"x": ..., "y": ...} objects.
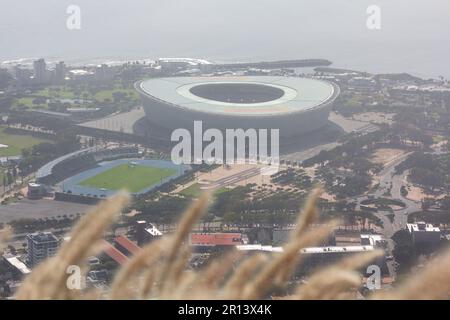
[
  {"x": 94, "y": 173},
  {"x": 293, "y": 105}
]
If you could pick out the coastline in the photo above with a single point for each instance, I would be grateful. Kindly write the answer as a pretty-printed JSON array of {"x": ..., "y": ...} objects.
[{"x": 120, "y": 60}]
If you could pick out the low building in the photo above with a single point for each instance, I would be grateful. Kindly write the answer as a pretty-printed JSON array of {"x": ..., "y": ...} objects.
[
  {"x": 344, "y": 238},
  {"x": 10, "y": 161},
  {"x": 322, "y": 256},
  {"x": 112, "y": 253},
  {"x": 95, "y": 276},
  {"x": 126, "y": 246},
  {"x": 17, "y": 268},
  {"x": 424, "y": 233},
  {"x": 375, "y": 240},
  {"x": 35, "y": 191},
  {"x": 362, "y": 83},
  {"x": 317, "y": 257},
  {"x": 212, "y": 241},
  {"x": 146, "y": 232}
]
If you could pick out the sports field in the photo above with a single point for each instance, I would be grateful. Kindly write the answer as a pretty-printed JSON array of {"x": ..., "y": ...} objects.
[
  {"x": 133, "y": 178},
  {"x": 13, "y": 144}
]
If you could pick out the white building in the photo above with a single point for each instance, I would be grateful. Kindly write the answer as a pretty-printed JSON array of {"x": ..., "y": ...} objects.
[
  {"x": 18, "y": 267},
  {"x": 375, "y": 240},
  {"x": 315, "y": 257}
]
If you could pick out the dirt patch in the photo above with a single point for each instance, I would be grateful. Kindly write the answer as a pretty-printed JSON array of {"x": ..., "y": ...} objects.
[
  {"x": 229, "y": 176},
  {"x": 375, "y": 117},
  {"x": 328, "y": 197},
  {"x": 418, "y": 194},
  {"x": 385, "y": 156}
]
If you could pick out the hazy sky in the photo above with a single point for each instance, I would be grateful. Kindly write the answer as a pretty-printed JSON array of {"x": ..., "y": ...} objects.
[{"x": 415, "y": 34}]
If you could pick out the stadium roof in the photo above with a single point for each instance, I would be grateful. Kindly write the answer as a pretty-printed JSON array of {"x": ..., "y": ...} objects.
[
  {"x": 47, "y": 169},
  {"x": 299, "y": 94}
]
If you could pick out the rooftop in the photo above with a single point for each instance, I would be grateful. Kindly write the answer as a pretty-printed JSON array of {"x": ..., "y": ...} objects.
[
  {"x": 47, "y": 169},
  {"x": 127, "y": 244},
  {"x": 257, "y": 95},
  {"x": 323, "y": 250},
  {"x": 42, "y": 237},
  {"x": 337, "y": 249},
  {"x": 114, "y": 254},
  {"x": 215, "y": 239},
  {"x": 16, "y": 263},
  {"x": 372, "y": 239},
  {"x": 153, "y": 231},
  {"x": 422, "y": 227}
]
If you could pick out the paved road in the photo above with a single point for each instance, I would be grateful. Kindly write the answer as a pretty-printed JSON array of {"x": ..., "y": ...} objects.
[
  {"x": 390, "y": 187},
  {"x": 238, "y": 177}
]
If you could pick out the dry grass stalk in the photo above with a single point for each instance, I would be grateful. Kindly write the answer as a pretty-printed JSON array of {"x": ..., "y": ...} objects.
[
  {"x": 211, "y": 279},
  {"x": 234, "y": 287},
  {"x": 48, "y": 280},
  {"x": 158, "y": 270},
  {"x": 433, "y": 282},
  {"x": 276, "y": 272},
  {"x": 306, "y": 218},
  {"x": 309, "y": 214},
  {"x": 121, "y": 287},
  {"x": 284, "y": 263},
  {"x": 183, "y": 291},
  {"x": 173, "y": 260},
  {"x": 5, "y": 234},
  {"x": 331, "y": 282},
  {"x": 148, "y": 283},
  {"x": 172, "y": 278},
  {"x": 194, "y": 212},
  {"x": 330, "y": 285}
]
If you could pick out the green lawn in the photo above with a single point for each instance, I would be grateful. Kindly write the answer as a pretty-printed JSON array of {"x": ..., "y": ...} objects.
[
  {"x": 194, "y": 191},
  {"x": 133, "y": 179},
  {"x": 16, "y": 143},
  {"x": 108, "y": 94},
  {"x": 60, "y": 92},
  {"x": 66, "y": 92},
  {"x": 437, "y": 139}
]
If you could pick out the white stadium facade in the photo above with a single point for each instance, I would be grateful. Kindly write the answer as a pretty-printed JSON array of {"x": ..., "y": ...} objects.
[{"x": 293, "y": 105}]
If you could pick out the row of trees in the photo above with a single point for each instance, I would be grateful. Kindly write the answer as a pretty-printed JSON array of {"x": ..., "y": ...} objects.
[
  {"x": 9, "y": 177},
  {"x": 427, "y": 170},
  {"x": 33, "y": 158}
]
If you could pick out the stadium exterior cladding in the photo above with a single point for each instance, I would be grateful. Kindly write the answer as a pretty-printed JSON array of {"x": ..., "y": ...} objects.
[{"x": 293, "y": 105}]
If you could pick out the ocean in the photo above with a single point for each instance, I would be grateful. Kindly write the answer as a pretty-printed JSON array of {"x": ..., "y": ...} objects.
[{"x": 414, "y": 35}]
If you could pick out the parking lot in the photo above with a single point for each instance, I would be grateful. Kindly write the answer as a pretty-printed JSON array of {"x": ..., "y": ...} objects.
[{"x": 36, "y": 209}]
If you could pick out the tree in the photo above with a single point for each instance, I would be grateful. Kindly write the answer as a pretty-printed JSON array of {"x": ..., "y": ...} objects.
[
  {"x": 5, "y": 79},
  {"x": 9, "y": 177},
  {"x": 403, "y": 252},
  {"x": 6, "y": 103}
]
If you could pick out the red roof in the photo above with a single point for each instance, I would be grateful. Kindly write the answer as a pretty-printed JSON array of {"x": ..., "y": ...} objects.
[
  {"x": 127, "y": 244},
  {"x": 216, "y": 239},
  {"x": 114, "y": 254}
]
